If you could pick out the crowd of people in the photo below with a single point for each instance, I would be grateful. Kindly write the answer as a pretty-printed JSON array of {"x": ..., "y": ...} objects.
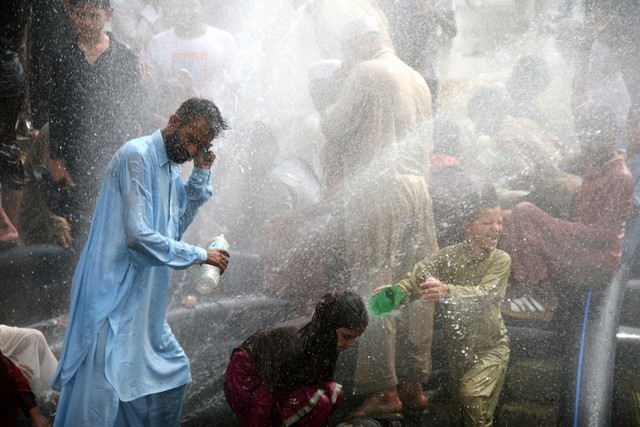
[{"x": 473, "y": 197}]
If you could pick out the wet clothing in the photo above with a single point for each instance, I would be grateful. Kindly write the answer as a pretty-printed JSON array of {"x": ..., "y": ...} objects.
[
  {"x": 476, "y": 337},
  {"x": 330, "y": 17},
  {"x": 631, "y": 241},
  {"x": 523, "y": 157},
  {"x": 574, "y": 254},
  {"x": 50, "y": 28},
  {"x": 29, "y": 346},
  {"x": 381, "y": 209},
  {"x": 292, "y": 185},
  {"x": 94, "y": 109},
  {"x": 39, "y": 223},
  {"x": 122, "y": 278},
  {"x": 274, "y": 379},
  {"x": 416, "y": 33},
  {"x": 15, "y": 394},
  {"x": 102, "y": 407},
  {"x": 209, "y": 58},
  {"x": 14, "y": 15},
  {"x": 520, "y": 151}
]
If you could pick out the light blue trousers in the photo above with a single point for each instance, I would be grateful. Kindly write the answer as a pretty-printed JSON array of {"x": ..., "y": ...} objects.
[{"x": 90, "y": 400}]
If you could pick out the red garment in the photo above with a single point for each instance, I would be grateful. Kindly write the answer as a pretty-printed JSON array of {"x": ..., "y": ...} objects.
[
  {"x": 443, "y": 160},
  {"x": 544, "y": 249},
  {"x": 254, "y": 406},
  {"x": 15, "y": 393}
]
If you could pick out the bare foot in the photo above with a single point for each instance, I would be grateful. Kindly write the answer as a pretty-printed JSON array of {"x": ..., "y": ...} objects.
[{"x": 384, "y": 402}]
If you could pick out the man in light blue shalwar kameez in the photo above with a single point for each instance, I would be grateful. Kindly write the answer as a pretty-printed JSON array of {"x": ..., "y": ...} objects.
[{"x": 120, "y": 363}]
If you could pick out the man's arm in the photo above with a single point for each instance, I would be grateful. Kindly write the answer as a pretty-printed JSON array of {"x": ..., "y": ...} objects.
[{"x": 146, "y": 245}]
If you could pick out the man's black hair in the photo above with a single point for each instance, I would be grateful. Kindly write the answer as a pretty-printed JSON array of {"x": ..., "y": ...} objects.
[
  {"x": 102, "y": 4},
  {"x": 194, "y": 108}
]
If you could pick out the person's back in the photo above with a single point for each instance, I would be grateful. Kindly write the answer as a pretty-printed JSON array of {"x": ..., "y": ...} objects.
[
  {"x": 549, "y": 254},
  {"x": 384, "y": 106},
  {"x": 380, "y": 123}
]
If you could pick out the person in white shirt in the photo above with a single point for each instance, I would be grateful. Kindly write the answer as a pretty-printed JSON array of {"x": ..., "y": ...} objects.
[{"x": 191, "y": 59}]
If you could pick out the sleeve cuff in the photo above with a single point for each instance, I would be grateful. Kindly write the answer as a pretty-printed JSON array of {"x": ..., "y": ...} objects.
[
  {"x": 202, "y": 172},
  {"x": 201, "y": 254}
]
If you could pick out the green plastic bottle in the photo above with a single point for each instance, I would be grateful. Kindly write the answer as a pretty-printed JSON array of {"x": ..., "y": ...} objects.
[{"x": 386, "y": 300}]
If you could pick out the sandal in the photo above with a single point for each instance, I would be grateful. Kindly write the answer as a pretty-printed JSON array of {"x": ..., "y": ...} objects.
[{"x": 526, "y": 307}]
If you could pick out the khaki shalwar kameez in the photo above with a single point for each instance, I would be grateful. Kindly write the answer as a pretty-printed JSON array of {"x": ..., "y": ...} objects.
[
  {"x": 476, "y": 338},
  {"x": 381, "y": 124}
]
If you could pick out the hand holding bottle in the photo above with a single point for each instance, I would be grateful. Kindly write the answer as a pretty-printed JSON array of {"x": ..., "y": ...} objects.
[
  {"x": 385, "y": 299},
  {"x": 218, "y": 258},
  {"x": 214, "y": 266}
]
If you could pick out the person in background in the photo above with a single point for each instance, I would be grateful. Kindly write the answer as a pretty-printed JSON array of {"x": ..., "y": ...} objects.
[
  {"x": 554, "y": 258},
  {"x": 120, "y": 362},
  {"x": 519, "y": 157},
  {"x": 28, "y": 348},
  {"x": 191, "y": 58},
  {"x": 97, "y": 103},
  {"x": 44, "y": 201},
  {"x": 15, "y": 395},
  {"x": 632, "y": 229},
  {"x": 14, "y": 15},
  {"x": 449, "y": 182},
  {"x": 135, "y": 22},
  {"x": 468, "y": 281},
  {"x": 50, "y": 30},
  {"x": 283, "y": 375},
  {"x": 419, "y": 28},
  {"x": 380, "y": 129},
  {"x": 530, "y": 76}
]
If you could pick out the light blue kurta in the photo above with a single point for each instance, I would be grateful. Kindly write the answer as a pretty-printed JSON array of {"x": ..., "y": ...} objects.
[{"x": 124, "y": 272}]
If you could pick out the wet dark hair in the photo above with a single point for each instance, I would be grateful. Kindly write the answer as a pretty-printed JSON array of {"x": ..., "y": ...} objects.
[
  {"x": 340, "y": 309},
  {"x": 102, "y": 4},
  {"x": 482, "y": 195},
  {"x": 336, "y": 309},
  {"x": 194, "y": 108}
]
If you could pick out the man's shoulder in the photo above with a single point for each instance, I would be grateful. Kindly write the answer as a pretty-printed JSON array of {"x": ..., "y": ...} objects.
[
  {"x": 159, "y": 40},
  {"x": 220, "y": 34},
  {"x": 141, "y": 145},
  {"x": 122, "y": 49}
]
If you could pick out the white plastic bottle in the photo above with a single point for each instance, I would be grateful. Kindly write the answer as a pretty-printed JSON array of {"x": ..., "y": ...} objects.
[{"x": 210, "y": 275}]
